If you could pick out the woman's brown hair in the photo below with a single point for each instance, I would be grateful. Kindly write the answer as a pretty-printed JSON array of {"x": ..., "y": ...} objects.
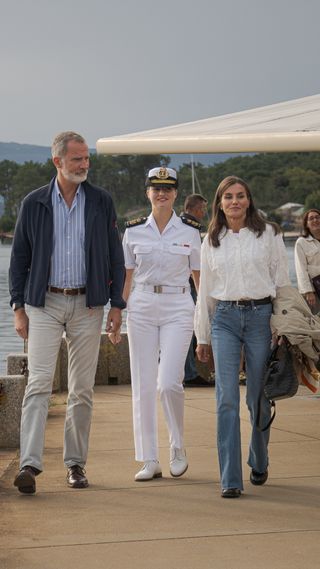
[
  {"x": 305, "y": 229},
  {"x": 254, "y": 220}
]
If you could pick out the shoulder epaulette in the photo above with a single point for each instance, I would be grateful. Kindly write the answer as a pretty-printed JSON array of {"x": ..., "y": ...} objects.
[
  {"x": 134, "y": 222},
  {"x": 191, "y": 222}
]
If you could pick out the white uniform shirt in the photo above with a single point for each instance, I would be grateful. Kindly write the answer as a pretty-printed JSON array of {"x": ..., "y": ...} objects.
[
  {"x": 307, "y": 262},
  {"x": 165, "y": 258},
  {"x": 243, "y": 267}
]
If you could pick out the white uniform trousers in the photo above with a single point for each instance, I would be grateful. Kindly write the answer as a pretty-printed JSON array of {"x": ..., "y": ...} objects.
[
  {"x": 159, "y": 328},
  {"x": 83, "y": 330}
]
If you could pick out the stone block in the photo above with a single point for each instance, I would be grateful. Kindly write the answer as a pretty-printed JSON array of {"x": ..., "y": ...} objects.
[
  {"x": 202, "y": 369},
  {"x": 18, "y": 364},
  {"x": 60, "y": 381},
  {"x": 116, "y": 360},
  {"x": 113, "y": 363},
  {"x": 102, "y": 372},
  {"x": 12, "y": 389}
]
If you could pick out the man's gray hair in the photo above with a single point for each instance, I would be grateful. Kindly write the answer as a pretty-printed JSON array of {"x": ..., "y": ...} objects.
[{"x": 60, "y": 144}]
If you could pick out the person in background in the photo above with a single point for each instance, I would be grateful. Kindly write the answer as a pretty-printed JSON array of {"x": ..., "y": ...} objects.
[
  {"x": 307, "y": 258},
  {"x": 66, "y": 263},
  {"x": 161, "y": 250},
  {"x": 243, "y": 263},
  {"x": 195, "y": 210}
]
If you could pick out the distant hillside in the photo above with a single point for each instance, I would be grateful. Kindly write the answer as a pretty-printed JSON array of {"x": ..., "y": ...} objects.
[
  {"x": 177, "y": 160},
  {"x": 21, "y": 153}
]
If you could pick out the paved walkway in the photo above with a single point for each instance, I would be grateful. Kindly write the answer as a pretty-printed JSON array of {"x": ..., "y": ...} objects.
[{"x": 168, "y": 523}]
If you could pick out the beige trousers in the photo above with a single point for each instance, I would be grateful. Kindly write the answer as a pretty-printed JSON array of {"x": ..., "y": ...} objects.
[{"x": 46, "y": 326}]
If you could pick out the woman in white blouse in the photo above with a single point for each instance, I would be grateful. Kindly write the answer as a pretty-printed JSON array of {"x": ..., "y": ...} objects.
[
  {"x": 243, "y": 261},
  {"x": 307, "y": 257}
]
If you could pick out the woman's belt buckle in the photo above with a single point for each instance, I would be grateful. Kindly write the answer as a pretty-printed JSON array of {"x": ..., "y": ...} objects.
[{"x": 243, "y": 302}]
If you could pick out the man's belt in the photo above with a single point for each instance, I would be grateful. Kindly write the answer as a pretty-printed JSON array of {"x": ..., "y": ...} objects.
[{"x": 67, "y": 291}]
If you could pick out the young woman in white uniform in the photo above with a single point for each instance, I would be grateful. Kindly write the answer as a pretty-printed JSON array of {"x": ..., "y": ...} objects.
[{"x": 162, "y": 251}]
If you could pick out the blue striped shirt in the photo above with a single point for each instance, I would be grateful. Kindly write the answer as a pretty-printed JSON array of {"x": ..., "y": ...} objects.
[{"x": 68, "y": 257}]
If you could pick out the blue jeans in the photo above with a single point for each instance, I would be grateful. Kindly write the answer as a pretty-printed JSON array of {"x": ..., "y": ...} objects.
[{"x": 233, "y": 327}]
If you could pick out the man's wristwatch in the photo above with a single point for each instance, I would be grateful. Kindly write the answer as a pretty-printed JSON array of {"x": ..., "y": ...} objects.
[{"x": 17, "y": 305}]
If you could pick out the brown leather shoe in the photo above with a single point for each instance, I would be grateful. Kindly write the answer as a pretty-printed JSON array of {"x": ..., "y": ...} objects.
[
  {"x": 258, "y": 478},
  {"x": 76, "y": 477},
  {"x": 26, "y": 480}
]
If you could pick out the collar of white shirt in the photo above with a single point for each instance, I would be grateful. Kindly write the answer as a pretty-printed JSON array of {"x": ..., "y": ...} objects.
[{"x": 174, "y": 220}]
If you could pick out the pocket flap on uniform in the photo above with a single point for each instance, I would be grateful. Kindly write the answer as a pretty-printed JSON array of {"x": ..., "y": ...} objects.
[
  {"x": 142, "y": 249},
  {"x": 180, "y": 249}
]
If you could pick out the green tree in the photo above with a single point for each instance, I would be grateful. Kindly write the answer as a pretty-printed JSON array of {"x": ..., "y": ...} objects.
[
  {"x": 313, "y": 200},
  {"x": 28, "y": 177},
  {"x": 302, "y": 182},
  {"x": 273, "y": 178},
  {"x": 8, "y": 170},
  {"x": 124, "y": 176},
  {"x": 7, "y": 223}
]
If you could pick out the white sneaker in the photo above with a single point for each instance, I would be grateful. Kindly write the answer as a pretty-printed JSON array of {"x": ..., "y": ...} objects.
[
  {"x": 151, "y": 469},
  {"x": 178, "y": 461}
]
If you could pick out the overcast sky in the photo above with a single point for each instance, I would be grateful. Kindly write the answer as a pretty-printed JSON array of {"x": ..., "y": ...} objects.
[{"x": 108, "y": 67}]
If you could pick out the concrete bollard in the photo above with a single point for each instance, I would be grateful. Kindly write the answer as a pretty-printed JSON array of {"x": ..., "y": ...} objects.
[
  {"x": 18, "y": 364},
  {"x": 113, "y": 363},
  {"x": 12, "y": 389}
]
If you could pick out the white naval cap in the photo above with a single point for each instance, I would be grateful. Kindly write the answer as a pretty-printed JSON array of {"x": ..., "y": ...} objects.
[{"x": 162, "y": 177}]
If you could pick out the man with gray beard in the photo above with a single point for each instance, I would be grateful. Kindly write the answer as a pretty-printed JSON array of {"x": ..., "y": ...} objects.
[{"x": 66, "y": 264}]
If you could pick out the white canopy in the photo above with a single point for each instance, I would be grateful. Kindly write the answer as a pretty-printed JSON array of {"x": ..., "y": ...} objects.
[{"x": 289, "y": 126}]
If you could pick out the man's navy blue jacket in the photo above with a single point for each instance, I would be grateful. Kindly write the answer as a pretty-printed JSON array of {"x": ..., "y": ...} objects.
[{"x": 33, "y": 242}]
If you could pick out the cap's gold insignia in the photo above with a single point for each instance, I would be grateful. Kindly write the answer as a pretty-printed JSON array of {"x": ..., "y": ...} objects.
[{"x": 163, "y": 173}]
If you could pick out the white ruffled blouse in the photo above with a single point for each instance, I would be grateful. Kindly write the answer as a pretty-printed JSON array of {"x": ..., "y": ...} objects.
[{"x": 243, "y": 267}]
